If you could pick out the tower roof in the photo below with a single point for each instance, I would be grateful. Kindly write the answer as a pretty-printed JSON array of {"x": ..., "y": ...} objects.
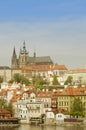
[
  {"x": 23, "y": 50},
  {"x": 14, "y": 53}
]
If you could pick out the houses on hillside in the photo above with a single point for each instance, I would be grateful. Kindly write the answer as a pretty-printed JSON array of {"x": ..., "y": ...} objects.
[
  {"x": 30, "y": 104},
  {"x": 39, "y": 103}
]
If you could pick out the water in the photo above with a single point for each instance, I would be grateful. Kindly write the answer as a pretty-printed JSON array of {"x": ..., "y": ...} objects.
[{"x": 33, "y": 127}]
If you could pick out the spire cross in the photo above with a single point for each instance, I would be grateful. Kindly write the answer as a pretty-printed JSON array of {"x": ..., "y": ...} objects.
[{"x": 24, "y": 43}]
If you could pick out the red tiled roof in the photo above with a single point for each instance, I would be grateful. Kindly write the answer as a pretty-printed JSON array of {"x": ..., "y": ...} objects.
[
  {"x": 4, "y": 111},
  {"x": 46, "y": 94},
  {"x": 45, "y": 67},
  {"x": 82, "y": 70},
  {"x": 75, "y": 91}
]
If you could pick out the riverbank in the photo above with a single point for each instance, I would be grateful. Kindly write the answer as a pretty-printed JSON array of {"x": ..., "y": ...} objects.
[
  {"x": 67, "y": 124},
  {"x": 9, "y": 125}
]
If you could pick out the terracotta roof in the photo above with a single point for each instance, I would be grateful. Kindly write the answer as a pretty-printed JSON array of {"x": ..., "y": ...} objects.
[
  {"x": 75, "y": 91},
  {"x": 82, "y": 70},
  {"x": 16, "y": 96},
  {"x": 5, "y": 111},
  {"x": 59, "y": 67},
  {"x": 45, "y": 67},
  {"x": 46, "y": 94},
  {"x": 29, "y": 87}
]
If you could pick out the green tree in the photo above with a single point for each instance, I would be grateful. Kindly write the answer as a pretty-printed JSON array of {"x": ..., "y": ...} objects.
[
  {"x": 80, "y": 81},
  {"x": 11, "y": 81},
  {"x": 38, "y": 80},
  {"x": 20, "y": 79},
  {"x": 5, "y": 105},
  {"x": 69, "y": 80},
  {"x": 77, "y": 108},
  {"x": 17, "y": 78},
  {"x": 1, "y": 79},
  {"x": 55, "y": 80},
  {"x": 10, "y": 108}
]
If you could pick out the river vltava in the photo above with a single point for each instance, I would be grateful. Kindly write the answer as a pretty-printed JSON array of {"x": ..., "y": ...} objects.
[{"x": 33, "y": 127}]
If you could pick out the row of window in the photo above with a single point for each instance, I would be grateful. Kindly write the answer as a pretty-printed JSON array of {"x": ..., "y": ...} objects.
[
  {"x": 23, "y": 111},
  {"x": 67, "y": 97},
  {"x": 63, "y": 103}
]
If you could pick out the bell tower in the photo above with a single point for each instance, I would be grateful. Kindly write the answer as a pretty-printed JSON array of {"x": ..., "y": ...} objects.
[{"x": 23, "y": 56}]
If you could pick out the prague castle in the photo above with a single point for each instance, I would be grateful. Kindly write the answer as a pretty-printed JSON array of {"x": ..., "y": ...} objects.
[
  {"x": 26, "y": 60},
  {"x": 28, "y": 66}
]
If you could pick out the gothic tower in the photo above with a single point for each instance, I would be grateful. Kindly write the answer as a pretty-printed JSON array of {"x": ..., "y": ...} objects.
[
  {"x": 23, "y": 56},
  {"x": 14, "y": 62}
]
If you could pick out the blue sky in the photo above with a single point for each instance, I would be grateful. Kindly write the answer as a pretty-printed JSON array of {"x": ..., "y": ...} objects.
[{"x": 50, "y": 27}]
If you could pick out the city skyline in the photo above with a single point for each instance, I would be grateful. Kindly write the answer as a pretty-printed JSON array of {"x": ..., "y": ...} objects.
[{"x": 54, "y": 28}]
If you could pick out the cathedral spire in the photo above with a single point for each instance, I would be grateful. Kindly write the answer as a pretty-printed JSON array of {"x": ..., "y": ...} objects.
[
  {"x": 24, "y": 45},
  {"x": 14, "y": 53},
  {"x": 34, "y": 54},
  {"x": 14, "y": 59},
  {"x": 24, "y": 48}
]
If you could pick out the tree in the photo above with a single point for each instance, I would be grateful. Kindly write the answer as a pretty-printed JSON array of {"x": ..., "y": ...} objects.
[
  {"x": 69, "y": 80},
  {"x": 55, "y": 80},
  {"x": 38, "y": 80},
  {"x": 20, "y": 79},
  {"x": 10, "y": 108},
  {"x": 77, "y": 108},
  {"x": 1, "y": 79},
  {"x": 80, "y": 81},
  {"x": 17, "y": 78},
  {"x": 5, "y": 105}
]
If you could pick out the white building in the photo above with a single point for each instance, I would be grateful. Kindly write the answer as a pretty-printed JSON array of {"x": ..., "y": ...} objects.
[
  {"x": 35, "y": 106},
  {"x": 5, "y": 73},
  {"x": 60, "y": 118},
  {"x": 79, "y": 75},
  {"x": 29, "y": 108},
  {"x": 50, "y": 114}
]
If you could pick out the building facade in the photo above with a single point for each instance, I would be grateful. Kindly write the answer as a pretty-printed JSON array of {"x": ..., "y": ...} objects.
[
  {"x": 25, "y": 60},
  {"x": 78, "y": 75}
]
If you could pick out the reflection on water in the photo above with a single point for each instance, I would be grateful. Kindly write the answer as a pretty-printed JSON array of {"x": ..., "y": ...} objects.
[{"x": 32, "y": 127}]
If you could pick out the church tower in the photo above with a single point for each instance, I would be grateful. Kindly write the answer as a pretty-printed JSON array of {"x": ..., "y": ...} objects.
[
  {"x": 14, "y": 62},
  {"x": 23, "y": 56}
]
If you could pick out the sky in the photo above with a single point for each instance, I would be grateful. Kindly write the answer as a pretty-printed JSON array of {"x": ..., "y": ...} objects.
[{"x": 55, "y": 28}]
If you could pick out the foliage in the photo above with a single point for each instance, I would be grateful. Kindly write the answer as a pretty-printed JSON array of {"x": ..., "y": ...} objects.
[
  {"x": 3, "y": 103},
  {"x": 1, "y": 79},
  {"x": 6, "y": 105},
  {"x": 38, "y": 81},
  {"x": 80, "y": 81},
  {"x": 10, "y": 108},
  {"x": 55, "y": 80},
  {"x": 11, "y": 81},
  {"x": 77, "y": 108},
  {"x": 69, "y": 80},
  {"x": 20, "y": 79},
  {"x": 41, "y": 87}
]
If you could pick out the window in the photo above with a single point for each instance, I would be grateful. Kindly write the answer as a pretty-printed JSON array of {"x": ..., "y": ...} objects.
[{"x": 60, "y": 116}]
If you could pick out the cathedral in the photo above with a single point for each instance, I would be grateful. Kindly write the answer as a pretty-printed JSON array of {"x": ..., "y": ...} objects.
[{"x": 24, "y": 59}]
